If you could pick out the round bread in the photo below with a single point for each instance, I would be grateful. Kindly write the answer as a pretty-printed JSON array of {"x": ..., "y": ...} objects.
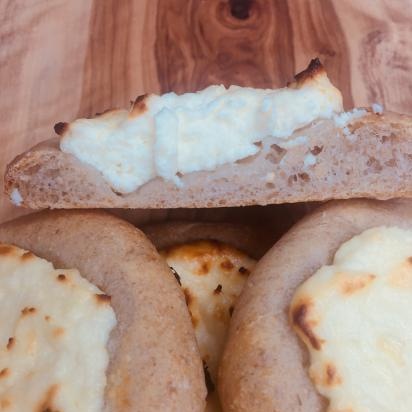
[
  {"x": 154, "y": 361},
  {"x": 253, "y": 240},
  {"x": 264, "y": 365}
]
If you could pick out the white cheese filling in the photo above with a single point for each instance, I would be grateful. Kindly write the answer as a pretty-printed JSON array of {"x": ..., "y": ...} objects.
[
  {"x": 355, "y": 317},
  {"x": 176, "y": 134},
  {"x": 212, "y": 276},
  {"x": 54, "y": 329}
]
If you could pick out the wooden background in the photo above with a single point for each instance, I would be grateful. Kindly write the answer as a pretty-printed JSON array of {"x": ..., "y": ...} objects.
[{"x": 63, "y": 59}]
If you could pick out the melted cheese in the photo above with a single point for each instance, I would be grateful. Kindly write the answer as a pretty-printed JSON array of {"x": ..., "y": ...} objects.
[
  {"x": 212, "y": 276},
  {"x": 355, "y": 317},
  {"x": 54, "y": 329},
  {"x": 172, "y": 134}
]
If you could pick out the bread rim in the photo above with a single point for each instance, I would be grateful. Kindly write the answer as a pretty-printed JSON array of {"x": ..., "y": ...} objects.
[
  {"x": 250, "y": 239},
  {"x": 263, "y": 366},
  {"x": 154, "y": 361}
]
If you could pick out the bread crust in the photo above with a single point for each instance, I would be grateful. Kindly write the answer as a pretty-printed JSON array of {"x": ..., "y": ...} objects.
[
  {"x": 264, "y": 366},
  {"x": 374, "y": 160},
  {"x": 252, "y": 240},
  {"x": 154, "y": 361}
]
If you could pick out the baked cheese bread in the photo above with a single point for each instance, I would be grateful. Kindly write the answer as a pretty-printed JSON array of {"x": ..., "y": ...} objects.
[
  {"x": 323, "y": 322},
  {"x": 112, "y": 334}
]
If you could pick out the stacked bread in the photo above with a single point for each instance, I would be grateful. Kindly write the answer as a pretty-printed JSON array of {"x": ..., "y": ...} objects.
[{"x": 217, "y": 314}]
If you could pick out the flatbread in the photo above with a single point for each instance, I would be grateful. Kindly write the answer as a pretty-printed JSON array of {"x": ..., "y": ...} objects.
[
  {"x": 264, "y": 365},
  {"x": 154, "y": 361}
]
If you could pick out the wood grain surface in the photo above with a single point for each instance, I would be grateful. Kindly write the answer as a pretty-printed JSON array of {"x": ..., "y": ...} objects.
[{"x": 64, "y": 59}]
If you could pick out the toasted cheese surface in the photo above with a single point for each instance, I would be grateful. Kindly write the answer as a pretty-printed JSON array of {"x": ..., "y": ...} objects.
[
  {"x": 355, "y": 318},
  {"x": 54, "y": 329},
  {"x": 212, "y": 276},
  {"x": 172, "y": 134}
]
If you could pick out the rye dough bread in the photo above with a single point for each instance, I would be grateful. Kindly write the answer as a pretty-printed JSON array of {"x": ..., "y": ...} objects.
[
  {"x": 154, "y": 361},
  {"x": 371, "y": 158},
  {"x": 264, "y": 366}
]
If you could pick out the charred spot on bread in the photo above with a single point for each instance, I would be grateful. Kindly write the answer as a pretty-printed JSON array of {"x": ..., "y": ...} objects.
[
  {"x": 28, "y": 311},
  {"x": 314, "y": 69},
  {"x": 188, "y": 296},
  {"x": 299, "y": 315},
  {"x": 103, "y": 298},
  {"x": 218, "y": 289},
  {"x": 139, "y": 105},
  {"x": 176, "y": 275},
  {"x": 10, "y": 343},
  {"x": 244, "y": 271},
  {"x": 60, "y": 128},
  {"x": 61, "y": 277},
  {"x": 208, "y": 379},
  {"x": 231, "y": 309},
  {"x": 117, "y": 193}
]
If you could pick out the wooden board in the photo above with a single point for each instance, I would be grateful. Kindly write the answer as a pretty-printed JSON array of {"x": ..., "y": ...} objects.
[{"x": 64, "y": 59}]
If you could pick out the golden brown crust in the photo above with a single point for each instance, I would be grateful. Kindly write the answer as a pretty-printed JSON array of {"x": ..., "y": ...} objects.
[
  {"x": 260, "y": 335},
  {"x": 154, "y": 361},
  {"x": 299, "y": 318},
  {"x": 373, "y": 161}
]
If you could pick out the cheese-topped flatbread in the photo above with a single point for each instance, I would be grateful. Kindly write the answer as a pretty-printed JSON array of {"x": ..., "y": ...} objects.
[{"x": 55, "y": 325}]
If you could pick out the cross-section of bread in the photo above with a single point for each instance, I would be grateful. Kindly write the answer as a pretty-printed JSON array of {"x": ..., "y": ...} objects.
[
  {"x": 370, "y": 157},
  {"x": 154, "y": 361},
  {"x": 264, "y": 366}
]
